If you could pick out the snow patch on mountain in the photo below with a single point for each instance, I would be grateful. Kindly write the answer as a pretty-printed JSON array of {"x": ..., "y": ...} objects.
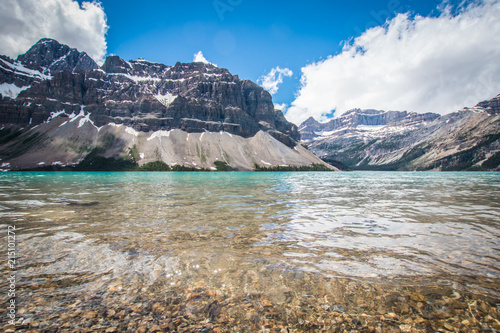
[
  {"x": 131, "y": 131},
  {"x": 166, "y": 99},
  {"x": 11, "y": 90},
  {"x": 19, "y": 69},
  {"x": 159, "y": 135}
]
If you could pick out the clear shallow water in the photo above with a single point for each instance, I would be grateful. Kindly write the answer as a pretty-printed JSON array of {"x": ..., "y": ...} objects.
[{"x": 247, "y": 236}]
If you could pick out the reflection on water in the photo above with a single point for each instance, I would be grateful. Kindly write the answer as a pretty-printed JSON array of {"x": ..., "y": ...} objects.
[{"x": 246, "y": 251}]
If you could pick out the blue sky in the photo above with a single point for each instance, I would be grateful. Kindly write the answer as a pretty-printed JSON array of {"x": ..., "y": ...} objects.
[
  {"x": 414, "y": 55},
  {"x": 247, "y": 37}
]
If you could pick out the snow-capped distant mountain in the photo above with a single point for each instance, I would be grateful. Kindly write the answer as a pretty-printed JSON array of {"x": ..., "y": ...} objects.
[
  {"x": 58, "y": 106},
  {"x": 369, "y": 121},
  {"x": 468, "y": 139}
]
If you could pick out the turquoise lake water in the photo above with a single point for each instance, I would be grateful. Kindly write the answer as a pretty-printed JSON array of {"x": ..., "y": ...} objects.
[{"x": 247, "y": 233}]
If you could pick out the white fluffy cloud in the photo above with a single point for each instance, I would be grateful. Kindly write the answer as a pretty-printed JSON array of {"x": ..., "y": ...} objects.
[
  {"x": 423, "y": 64},
  {"x": 24, "y": 22},
  {"x": 282, "y": 107},
  {"x": 271, "y": 81},
  {"x": 198, "y": 57}
]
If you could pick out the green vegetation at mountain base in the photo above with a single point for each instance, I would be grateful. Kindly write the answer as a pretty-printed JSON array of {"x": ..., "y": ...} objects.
[
  {"x": 222, "y": 166},
  {"x": 312, "y": 167}
]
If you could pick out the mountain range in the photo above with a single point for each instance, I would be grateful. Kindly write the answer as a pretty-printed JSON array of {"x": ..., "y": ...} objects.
[
  {"x": 468, "y": 139},
  {"x": 60, "y": 109}
]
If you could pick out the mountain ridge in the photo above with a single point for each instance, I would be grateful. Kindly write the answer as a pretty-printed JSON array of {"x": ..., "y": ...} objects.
[{"x": 468, "y": 139}]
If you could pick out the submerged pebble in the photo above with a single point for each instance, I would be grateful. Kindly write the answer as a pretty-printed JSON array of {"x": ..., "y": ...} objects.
[{"x": 257, "y": 253}]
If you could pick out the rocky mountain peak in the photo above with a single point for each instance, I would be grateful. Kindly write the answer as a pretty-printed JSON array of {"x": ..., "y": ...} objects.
[
  {"x": 49, "y": 57},
  {"x": 115, "y": 64},
  {"x": 310, "y": 122},
  {"x": 491, "y": 106}
]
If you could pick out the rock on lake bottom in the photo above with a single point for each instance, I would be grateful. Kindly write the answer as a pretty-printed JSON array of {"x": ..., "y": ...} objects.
[{"x": 275, "y": 252}]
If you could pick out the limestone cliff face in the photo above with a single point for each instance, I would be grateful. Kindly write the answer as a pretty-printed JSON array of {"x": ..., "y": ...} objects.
[
  {"x": 468, "y": 139},
  {"x": 54, "y": 82},
  {"x": 143, "y": 95}
]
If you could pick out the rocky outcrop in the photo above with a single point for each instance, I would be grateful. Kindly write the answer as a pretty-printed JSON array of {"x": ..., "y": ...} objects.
[
  {"x": 491, "y": 106},
  {"x": 54, "y": 83},
  {"x": 468, "y": 139}
]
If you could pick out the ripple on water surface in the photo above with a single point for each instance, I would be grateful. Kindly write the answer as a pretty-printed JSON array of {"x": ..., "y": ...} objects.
[{"x": 257, "y": 239}]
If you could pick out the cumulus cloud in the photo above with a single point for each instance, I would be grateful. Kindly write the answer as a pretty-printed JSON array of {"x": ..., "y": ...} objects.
[
  {"x": 24, "y": 22},
  {"x": 271, "y": 81},
  {"x": 198, "y": 57},
  {"x": 423, "y": 64},
  {"x": 282, "y": 107}
]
